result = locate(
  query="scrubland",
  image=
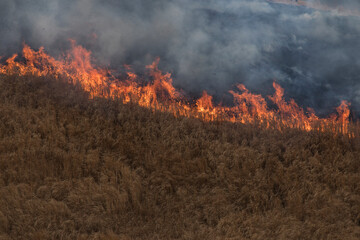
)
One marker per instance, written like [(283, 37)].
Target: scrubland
[(78, 168)]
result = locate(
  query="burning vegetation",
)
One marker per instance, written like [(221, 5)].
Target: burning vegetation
[(159, 94), (78, 168), (92, 153)]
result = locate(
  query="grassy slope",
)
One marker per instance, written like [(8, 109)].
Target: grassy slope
[(76, 168)]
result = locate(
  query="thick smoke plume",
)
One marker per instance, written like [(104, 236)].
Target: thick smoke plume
[(314, 54)]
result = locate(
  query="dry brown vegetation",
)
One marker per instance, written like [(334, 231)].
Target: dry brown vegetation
[(73, 168)]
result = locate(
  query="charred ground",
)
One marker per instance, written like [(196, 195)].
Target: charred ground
[(74, 168)]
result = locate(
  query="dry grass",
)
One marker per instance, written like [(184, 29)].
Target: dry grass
[(73, 168)]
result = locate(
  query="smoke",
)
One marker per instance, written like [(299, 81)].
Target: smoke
[(209, 45)]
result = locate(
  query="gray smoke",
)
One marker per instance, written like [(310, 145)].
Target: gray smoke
[(211, 45)]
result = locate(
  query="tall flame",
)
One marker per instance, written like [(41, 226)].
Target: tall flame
[(160, 94)]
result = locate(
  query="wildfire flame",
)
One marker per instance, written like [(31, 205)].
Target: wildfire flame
[(160, 94)]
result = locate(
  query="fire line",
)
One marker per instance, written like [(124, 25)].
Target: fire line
[(160, 94)]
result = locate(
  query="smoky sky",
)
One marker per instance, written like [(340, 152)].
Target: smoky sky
[(207, 45)]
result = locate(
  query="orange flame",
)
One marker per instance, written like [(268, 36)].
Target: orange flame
[(160, 94), (205, 107)]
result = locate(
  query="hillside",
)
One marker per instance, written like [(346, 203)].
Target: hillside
[(74, 168)]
